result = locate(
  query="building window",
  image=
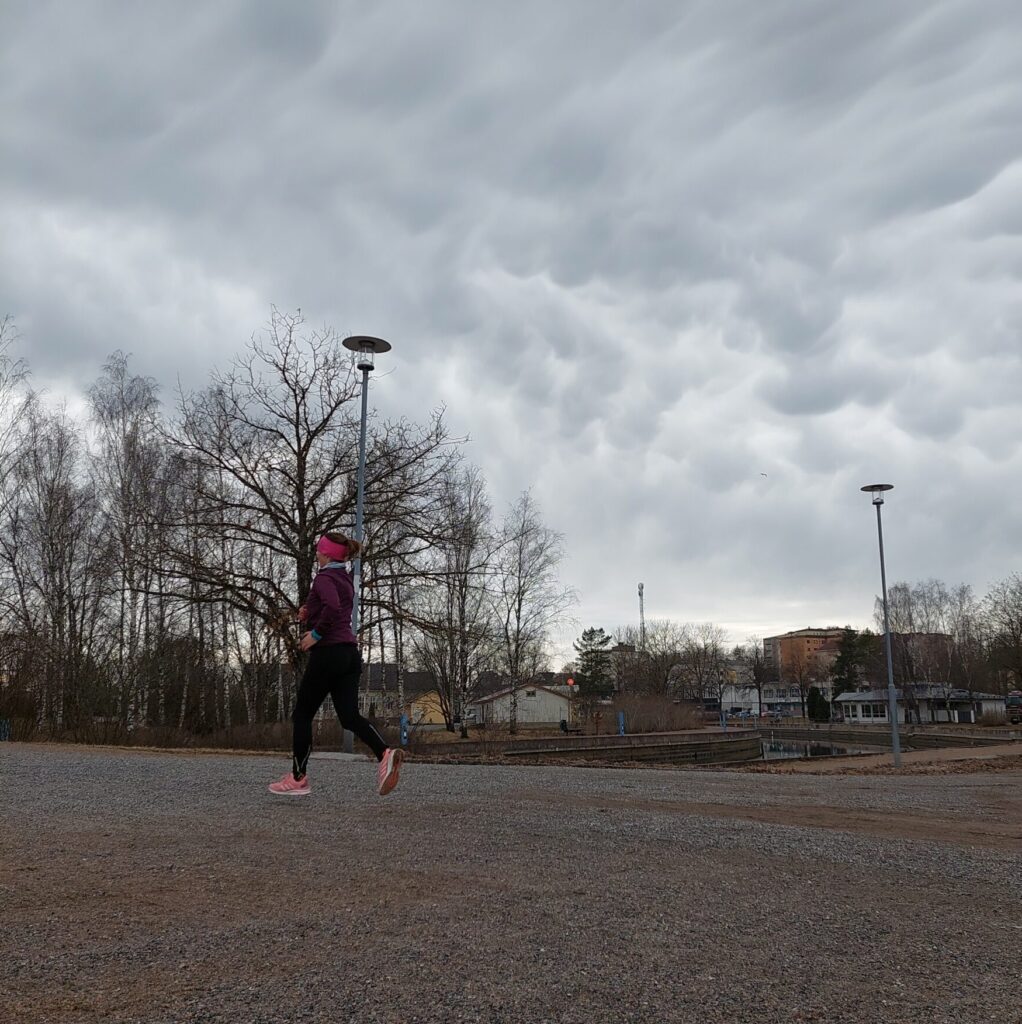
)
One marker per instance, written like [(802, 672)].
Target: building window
[(879, 711), (530, 693), (866, 711)]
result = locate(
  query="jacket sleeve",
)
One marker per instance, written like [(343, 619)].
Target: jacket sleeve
[(327, 614)]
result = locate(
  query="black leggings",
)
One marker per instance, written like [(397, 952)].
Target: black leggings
[(334, 669)]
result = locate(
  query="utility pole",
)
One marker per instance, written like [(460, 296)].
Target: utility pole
[(642, 621)]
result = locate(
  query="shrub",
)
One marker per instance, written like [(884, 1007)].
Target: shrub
[(992, 718), (649, 714)]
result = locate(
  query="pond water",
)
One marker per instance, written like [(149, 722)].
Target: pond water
[(776, 750)]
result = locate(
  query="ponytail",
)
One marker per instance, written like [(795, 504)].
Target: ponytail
[(353, 546)]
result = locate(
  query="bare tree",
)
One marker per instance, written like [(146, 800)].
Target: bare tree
[(127, 471), (910, 613), (704, 661), (750, 664), (657, 669), (271, 448), (455, 635), (527, 598), (1003, 613), (938, 636), (13, 401), (968, 630), (56, 556), (15, 649), (804, 671)]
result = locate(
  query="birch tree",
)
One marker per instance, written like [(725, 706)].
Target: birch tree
[(57, 556), (453, 603), (126, 467), (528, 599)]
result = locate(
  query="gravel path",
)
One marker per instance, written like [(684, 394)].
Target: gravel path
[(168, 888), (939, 758)]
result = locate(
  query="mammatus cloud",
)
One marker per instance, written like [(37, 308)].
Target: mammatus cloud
[(643, 256)]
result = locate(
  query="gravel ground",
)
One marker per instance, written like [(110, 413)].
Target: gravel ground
[(167, 887), (960, 766), (941, 760)]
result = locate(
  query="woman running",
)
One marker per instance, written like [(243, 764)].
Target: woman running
[(334, 667)]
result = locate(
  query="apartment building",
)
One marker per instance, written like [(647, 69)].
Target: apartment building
[(802, 650)]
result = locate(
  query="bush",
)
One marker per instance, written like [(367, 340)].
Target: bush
[(993, 718), (649, 714), (262, 736), (23, 729)]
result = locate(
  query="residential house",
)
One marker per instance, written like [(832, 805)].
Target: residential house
[(425, 708), (380, 693), (537, 705), (423, 703)]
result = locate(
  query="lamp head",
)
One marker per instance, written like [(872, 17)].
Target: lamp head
[(365, 349), (877, 490)]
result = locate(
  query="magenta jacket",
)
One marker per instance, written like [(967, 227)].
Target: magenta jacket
[(329, 606)]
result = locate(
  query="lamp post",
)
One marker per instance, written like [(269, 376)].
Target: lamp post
[(365, 349), (877, 490)]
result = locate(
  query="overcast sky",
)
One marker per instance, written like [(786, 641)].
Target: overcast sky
[(646, 253)]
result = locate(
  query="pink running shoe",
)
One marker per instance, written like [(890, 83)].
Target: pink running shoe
[(290, 786), (389, 767)]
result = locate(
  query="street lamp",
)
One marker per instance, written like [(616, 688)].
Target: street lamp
[(877, 490), (365, 349)]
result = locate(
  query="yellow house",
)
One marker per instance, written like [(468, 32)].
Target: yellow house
[(425, 709)]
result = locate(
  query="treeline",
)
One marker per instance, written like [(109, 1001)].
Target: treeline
[(946, 637), (943, 635), (689, 661), (152, 561)]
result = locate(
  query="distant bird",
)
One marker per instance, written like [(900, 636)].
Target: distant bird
[(762, 474)]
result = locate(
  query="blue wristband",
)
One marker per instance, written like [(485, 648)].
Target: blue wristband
[(315, 636)]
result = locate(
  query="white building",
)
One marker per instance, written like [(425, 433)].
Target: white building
[(781, 697), (739, 698), (537, 705), (933, 702)]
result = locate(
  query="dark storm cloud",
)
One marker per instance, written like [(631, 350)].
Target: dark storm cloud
[(645, 253)]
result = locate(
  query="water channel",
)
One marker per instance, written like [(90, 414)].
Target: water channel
[(777, 750)]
